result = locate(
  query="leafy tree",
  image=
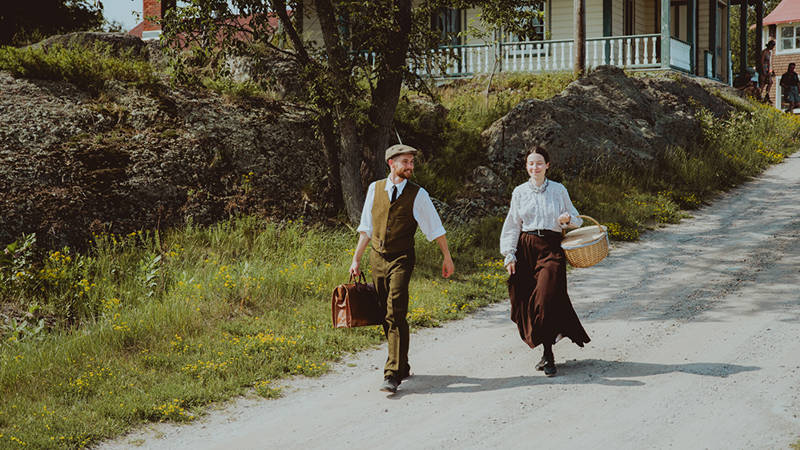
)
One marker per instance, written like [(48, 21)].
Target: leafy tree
[(353, 77), (23, 22)]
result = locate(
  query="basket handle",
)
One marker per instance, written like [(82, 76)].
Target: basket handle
[(564, 230), (590, 218)]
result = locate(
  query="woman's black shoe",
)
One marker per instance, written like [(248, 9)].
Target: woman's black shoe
[(550, 369), (540, 365)]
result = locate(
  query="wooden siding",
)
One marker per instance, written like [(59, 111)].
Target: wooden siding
[(649, 10), (562, 19), (472, 20), (617, 18)]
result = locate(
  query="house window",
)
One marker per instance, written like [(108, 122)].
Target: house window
[(790, 38), (528, 24), (448, 22)]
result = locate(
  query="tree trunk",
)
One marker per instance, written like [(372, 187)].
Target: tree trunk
[(387, 89), (352, 189), (331, 144), (350, 156), (580, 38)]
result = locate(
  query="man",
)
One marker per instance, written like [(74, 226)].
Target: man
[(791, 86), (765, 72), (392, 210)]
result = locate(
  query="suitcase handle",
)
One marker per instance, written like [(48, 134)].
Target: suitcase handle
[(360, 277)]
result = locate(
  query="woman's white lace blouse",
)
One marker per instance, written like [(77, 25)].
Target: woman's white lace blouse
[(531, 210)]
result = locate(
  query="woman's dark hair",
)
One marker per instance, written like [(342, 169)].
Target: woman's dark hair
[(539, 150)]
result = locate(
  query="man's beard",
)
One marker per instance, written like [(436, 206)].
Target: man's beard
[(405, 174)]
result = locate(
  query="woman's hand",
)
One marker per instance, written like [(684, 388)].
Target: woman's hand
[(511, 268), (564, 219)]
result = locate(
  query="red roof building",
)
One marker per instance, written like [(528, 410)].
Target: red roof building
[(783, 25), (787, 11), (152, 9)]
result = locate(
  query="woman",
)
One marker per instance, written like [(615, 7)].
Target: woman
[(537, 268)]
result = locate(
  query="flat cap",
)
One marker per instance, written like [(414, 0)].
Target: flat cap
[(399, 149)]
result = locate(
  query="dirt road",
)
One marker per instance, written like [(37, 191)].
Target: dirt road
[(695, 344)]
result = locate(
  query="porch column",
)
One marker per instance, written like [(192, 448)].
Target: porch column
[(712, 36), (743, 9), (665, 34), (691, 16), (607, 29)]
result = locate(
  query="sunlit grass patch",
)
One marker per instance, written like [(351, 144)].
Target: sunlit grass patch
[(86, 67)]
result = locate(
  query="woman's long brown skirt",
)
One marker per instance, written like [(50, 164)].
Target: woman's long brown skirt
[(540, 305)]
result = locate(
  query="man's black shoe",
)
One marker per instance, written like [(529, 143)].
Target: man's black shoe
[(550, 369), (390, 384)]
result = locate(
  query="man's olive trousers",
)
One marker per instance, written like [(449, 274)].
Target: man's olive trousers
[(392, 273)]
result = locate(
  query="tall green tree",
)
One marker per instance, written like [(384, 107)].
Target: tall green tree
[(353, 77), (23, 22)]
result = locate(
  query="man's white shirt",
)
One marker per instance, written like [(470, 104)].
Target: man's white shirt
[(424, 212)]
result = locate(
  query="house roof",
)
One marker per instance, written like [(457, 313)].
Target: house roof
[(137, 30), (241, 21), (786, 11)]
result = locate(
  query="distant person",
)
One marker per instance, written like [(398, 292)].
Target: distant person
[(392, 210), (765, 71), (791, 86), (531, 244)]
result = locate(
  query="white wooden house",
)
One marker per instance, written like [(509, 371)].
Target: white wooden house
[(624, 33), (691, 36)]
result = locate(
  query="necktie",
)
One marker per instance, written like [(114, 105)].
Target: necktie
[(394, 193)]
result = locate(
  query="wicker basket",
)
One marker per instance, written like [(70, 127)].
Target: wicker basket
[(586, 246)]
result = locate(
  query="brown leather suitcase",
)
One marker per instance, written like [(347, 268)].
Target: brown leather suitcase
[(356, 305)]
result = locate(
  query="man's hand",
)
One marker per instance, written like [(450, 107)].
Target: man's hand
[(354, 269), (447, 264), (448, 267), (363, 240), (511, 268)]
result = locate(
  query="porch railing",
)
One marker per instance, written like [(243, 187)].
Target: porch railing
[(639, 51), (680, 54)]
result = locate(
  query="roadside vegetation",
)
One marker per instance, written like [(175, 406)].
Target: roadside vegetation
[(151, 326)]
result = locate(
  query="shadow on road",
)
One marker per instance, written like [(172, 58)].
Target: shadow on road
[(588, 371)]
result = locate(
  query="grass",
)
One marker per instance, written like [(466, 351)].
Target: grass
[(152, 328), (88, 68)]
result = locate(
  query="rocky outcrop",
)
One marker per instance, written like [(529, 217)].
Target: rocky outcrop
[(603, 121), (72, 164)]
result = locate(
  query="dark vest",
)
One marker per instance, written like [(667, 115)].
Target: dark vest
[(393, 224)]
